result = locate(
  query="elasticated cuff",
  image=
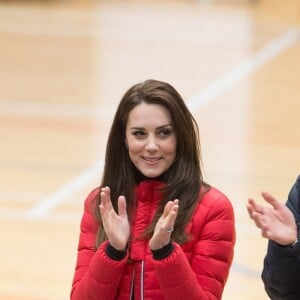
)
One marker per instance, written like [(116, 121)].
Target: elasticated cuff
[(114, 253), (163, 252)]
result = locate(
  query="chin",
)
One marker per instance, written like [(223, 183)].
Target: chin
[(151, 174)]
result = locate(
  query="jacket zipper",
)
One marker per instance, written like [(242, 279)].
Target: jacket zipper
[(142, 280), (132, 284)]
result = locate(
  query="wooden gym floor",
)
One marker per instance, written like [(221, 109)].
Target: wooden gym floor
[(64, 66)]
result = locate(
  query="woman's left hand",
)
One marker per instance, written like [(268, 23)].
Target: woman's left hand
[(164, 226)]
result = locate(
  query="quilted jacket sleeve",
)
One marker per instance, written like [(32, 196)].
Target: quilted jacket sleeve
[(96, 275), (281, 272), (205, 274)]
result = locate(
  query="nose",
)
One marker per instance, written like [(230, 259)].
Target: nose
[(151, 144)]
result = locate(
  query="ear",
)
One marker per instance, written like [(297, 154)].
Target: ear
[(126, 144)]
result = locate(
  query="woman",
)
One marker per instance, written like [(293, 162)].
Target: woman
[(280, 224), (154, 229)]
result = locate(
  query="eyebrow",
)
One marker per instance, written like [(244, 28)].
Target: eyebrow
[(159, 127)]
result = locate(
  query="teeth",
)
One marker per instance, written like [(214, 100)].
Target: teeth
[(151, 159)]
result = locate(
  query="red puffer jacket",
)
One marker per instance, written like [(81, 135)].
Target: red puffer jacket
[(195, 270)]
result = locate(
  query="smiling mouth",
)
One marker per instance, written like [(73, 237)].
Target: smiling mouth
[(151, 159)]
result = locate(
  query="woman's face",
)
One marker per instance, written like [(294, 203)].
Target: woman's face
[(151, 139)]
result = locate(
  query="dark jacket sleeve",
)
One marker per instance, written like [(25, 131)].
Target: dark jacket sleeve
[(281, 271)]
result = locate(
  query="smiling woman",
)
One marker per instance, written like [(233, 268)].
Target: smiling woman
[(64, 66), (150, 139), (150, 228)]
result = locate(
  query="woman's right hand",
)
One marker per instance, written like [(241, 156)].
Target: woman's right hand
[(115, 224)]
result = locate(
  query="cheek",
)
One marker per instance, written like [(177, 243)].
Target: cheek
[(134, 146), (171, 146)]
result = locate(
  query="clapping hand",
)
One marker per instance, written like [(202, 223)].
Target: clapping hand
[(115, 224), (164, 226), (276, 221)]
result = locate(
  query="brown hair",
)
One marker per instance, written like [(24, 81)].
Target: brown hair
[(183, 179)]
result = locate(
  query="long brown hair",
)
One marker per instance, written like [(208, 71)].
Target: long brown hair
[(184, 178)]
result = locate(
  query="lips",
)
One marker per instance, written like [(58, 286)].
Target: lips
[(151, 159)]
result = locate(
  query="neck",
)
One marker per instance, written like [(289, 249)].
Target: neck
[(141, 177)]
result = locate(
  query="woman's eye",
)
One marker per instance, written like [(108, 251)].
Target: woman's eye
[(138, 133), (165, 132)]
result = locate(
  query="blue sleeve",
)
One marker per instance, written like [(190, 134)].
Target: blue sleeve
[(281, 271)]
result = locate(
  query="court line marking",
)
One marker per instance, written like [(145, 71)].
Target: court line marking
[(90, 25), (244, 69), (65, 192), (74, 218), (58, 217), (19, 196), (57, 110), (218, 87)]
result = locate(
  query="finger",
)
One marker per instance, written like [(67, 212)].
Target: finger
[(266, 233), (167, 208), (106, 191), (251, 202), (103, 204), (102, 212), (272, 200), (250, 210), (173, 205), (257, 218), (176, 201), (253, 208), (172, 217), (170, 220), (257, 207), (122, 206), (105, 197)]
